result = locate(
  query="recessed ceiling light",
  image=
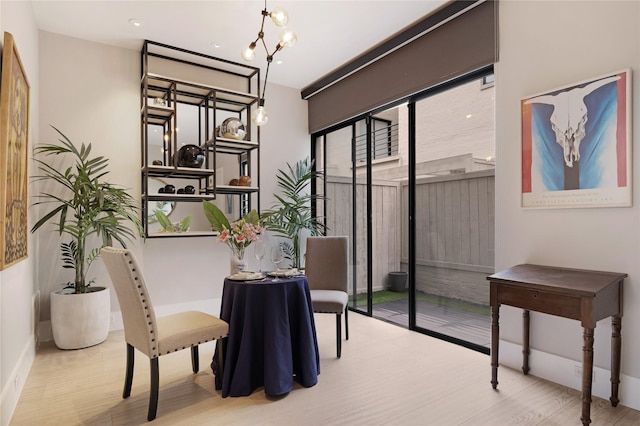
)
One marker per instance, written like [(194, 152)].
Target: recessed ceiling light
[(469, 115), (279, 62), (216, 45), (135, 22)]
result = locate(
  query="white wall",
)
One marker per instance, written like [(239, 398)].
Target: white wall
[(91, 92), (17, 288), (545, 45)]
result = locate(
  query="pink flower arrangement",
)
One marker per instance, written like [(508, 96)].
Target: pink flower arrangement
[(239, 236)]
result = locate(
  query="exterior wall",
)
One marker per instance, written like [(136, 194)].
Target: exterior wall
[(455, 220), (464, 114)]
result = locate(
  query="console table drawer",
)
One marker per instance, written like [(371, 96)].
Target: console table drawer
[(534, 300)]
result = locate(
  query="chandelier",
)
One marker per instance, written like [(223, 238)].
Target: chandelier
[(287, 38)]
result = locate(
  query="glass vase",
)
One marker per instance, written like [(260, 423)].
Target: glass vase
[(237, 265)]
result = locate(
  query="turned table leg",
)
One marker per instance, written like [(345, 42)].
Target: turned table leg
[(526, 320), (587, 375), (495, 336), (616, 343)]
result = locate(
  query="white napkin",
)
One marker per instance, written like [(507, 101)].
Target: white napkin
[(292, 272), (247, 275)]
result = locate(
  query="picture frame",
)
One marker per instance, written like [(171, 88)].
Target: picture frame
[(576, 145), (14, 141)]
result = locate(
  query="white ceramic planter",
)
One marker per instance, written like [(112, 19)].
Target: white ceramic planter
[(80, 320)]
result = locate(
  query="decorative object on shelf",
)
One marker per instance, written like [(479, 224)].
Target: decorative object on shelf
[(189, 189), (167, 189), (234, 182), (168, 226), (180, 190), (244, 181), (292, 213), (190, 156), (287, 38), (232, 128), (237, 235), (160, 102), (157, 185), (157, 162)]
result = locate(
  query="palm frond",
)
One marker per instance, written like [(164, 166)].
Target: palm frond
[(291, 214), (82, 205)]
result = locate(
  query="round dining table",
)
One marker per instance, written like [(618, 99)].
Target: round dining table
[(272, 337)]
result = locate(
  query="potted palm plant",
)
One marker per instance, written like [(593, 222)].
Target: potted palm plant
[(87, 209), (292, 213)]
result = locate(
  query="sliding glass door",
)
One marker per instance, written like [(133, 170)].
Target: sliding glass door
[(412, 186), (454, 211)]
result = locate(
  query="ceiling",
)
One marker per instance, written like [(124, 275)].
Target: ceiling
[(330, 32)]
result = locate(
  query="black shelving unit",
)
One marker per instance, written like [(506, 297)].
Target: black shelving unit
[(210, 89)]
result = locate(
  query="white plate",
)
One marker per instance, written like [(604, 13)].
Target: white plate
[(285, 273), (246, 276)]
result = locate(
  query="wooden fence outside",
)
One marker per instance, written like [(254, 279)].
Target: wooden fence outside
[(455, 231)]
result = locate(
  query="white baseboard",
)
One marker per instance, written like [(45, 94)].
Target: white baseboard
[(13, 388), (563, 371)]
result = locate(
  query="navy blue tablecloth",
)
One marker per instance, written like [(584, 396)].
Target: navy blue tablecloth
[(272, 337)]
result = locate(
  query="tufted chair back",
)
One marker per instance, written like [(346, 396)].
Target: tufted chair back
[(138, 316)]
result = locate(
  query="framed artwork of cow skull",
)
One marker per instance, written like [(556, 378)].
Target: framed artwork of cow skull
[(576, 145)]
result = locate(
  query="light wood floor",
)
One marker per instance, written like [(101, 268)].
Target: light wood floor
[(386, 376)]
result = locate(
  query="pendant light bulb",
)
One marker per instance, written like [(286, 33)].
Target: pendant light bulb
[(259, 116), (279, 16), (287, 37), (249, 53)]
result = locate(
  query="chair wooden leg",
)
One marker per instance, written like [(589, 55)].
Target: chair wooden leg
[(346, 321), (153, 393), (195, 359), (128, 377), (339, 333)]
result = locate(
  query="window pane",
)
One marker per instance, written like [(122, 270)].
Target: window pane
[(455, 148)]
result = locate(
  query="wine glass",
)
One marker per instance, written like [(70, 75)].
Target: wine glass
[(277, 256), (259, 252)]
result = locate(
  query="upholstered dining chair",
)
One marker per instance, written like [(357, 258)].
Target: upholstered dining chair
[(153, 336), (326, 268)]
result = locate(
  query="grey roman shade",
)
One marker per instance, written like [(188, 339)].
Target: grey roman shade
[(455, 40)]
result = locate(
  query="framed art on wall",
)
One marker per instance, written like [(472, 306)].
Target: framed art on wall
[(576, 145), (14, 138)]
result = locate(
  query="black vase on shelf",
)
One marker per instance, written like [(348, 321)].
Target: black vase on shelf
[(190, 156)]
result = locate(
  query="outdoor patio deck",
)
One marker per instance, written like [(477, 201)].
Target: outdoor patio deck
[(474, 327)]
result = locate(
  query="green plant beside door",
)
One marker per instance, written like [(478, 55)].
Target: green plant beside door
[(292, 213), (83, 205)]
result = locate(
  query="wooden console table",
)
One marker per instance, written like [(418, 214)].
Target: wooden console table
[(586, 296)]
